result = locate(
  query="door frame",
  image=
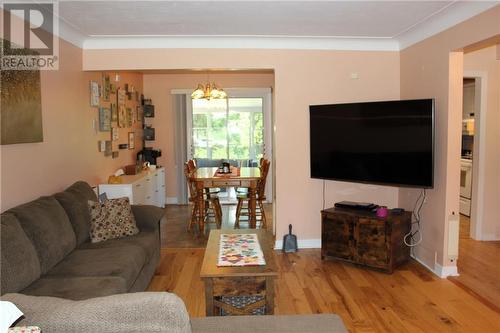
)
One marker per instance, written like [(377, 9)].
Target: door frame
[(266, 95), (479, 152)]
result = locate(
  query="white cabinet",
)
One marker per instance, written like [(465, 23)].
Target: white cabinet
[(146, 188)]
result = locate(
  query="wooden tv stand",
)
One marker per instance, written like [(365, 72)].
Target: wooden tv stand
[(362, 238)]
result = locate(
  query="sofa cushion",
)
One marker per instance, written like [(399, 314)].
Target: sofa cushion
[(47, 226), (121, 261), (312, 323), (147, 240), (77, 288), (20, 265), (74, 201), (111, 219)]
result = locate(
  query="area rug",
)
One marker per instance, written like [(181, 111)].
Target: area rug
[(240, 250)]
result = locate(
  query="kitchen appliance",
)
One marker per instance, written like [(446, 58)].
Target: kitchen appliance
[(149, 155), (465, 186)]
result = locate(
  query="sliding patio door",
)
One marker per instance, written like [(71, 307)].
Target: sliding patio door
[(237, 129)]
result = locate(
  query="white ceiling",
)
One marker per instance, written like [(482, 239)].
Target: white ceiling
[(287, 24)]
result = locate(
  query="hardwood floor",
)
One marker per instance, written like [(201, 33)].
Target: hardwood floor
[(174, 225), (479, 267), (410, 300)]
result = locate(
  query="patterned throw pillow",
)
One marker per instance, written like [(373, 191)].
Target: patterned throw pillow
[(111, 219)]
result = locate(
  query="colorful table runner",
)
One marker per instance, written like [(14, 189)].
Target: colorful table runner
[(240, 250)]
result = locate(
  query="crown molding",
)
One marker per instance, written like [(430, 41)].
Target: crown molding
[(70, 34), (459, 11), (241, 42), (456, 13)]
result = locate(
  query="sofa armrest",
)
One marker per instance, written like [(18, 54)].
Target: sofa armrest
[(147, 216), (134, 312)]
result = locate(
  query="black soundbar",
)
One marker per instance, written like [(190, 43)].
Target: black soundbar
[(355, 205)]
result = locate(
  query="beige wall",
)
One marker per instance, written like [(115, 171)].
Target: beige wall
[(430, 69), (158, 88), (69, 150), (301, 78), (486, 61)]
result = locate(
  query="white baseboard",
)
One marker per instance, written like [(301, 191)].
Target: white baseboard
[(445, 271), (302, 244), (172, 201), (441, 271), (490, 237)]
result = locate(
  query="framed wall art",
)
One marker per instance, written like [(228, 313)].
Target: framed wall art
[(109, 148), (139, 113), (104, 119), (131, 137), (122, 116), (20, 106), (114, 112), (106, 87), (114, 133), (94, 94), (101, 145), (130, 117)]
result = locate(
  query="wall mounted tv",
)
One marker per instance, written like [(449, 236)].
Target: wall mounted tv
[(388, 143)]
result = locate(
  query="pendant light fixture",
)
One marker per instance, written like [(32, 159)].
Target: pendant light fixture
[(208, 91)]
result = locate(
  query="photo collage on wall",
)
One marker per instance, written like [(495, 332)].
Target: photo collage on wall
[(118, 107)]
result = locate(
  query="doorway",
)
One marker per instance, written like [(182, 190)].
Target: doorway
[(479, 243), (236, 129)]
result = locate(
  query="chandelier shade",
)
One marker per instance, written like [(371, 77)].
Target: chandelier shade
[(209, 91)]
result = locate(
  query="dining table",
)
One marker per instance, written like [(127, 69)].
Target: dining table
[(210, 177)]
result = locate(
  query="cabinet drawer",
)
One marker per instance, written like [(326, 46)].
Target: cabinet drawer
[(228, 183)]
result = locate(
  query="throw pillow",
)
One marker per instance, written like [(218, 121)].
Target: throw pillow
[(9, 315), (111, 219)]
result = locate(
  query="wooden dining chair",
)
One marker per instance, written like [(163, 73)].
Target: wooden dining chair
[(212, 204), (242, 208)]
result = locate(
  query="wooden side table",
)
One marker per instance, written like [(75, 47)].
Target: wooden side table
[(238, 290)]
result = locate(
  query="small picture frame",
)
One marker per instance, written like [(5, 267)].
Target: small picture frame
[(139, 113), (106, 87), (131, 143), (115, 154), (122, 116), (121, 97), (130, 117), (114, 112), (114, 133), (102, 145), (94, 94), (104, 119), (109, 149)]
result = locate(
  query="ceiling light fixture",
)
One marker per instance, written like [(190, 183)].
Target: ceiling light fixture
[(208, 91)]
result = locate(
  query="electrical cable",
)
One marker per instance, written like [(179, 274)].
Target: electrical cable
[(323, 194), (415, 224)]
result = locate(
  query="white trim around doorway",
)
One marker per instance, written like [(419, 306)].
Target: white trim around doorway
[(478, 157)]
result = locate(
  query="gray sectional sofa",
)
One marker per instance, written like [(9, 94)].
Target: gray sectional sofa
[(46, 250), (64, 283)]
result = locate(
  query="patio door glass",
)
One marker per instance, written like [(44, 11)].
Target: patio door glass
[(231, 129)]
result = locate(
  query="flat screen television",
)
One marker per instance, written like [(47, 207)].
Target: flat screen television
[(388, 142)]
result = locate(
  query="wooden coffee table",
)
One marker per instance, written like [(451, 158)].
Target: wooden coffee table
[(238, 290)]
